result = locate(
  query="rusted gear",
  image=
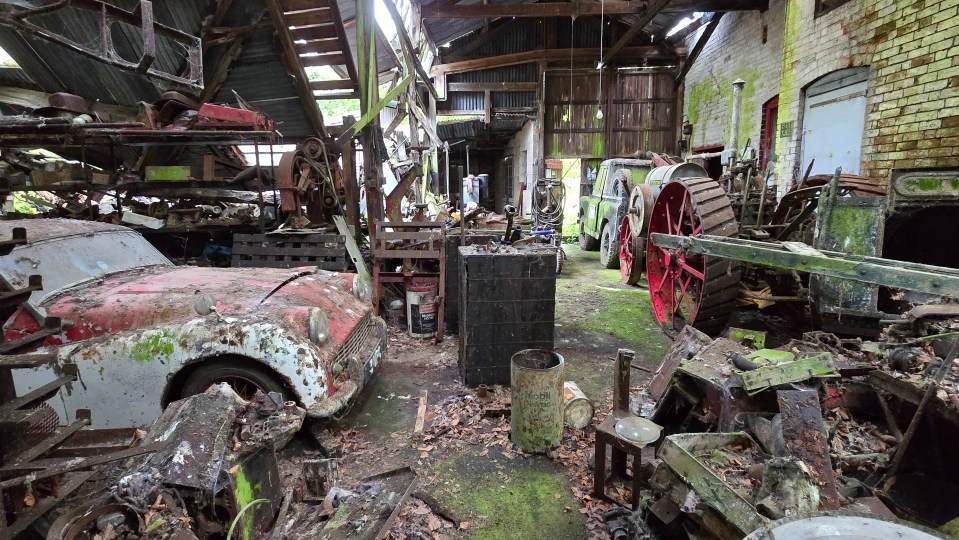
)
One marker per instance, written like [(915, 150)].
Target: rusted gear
[(692, 288)]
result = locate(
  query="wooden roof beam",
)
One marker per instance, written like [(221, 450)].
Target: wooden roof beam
[(575, 8), (512, 59), (651, 11), (698, 47)]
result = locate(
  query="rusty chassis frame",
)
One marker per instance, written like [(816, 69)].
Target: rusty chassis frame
[(141, 17)]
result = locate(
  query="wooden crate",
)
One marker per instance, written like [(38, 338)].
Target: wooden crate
[(323, 250)]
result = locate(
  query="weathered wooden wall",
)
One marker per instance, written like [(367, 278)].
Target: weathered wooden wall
[(639, 114)]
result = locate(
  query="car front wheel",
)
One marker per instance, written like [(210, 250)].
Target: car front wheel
[(608, 248), (586, 242), (244, 380)]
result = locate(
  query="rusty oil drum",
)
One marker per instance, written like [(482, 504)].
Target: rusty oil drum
[(536, 414)]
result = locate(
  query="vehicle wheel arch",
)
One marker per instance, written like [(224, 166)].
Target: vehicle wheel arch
[(176, 380)]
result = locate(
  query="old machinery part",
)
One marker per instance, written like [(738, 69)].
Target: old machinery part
[(548, 202), (698, 288), (141, 18), (632, 233), (842, 524)]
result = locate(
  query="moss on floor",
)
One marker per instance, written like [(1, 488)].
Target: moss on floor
[(595, 299), (523, 497)]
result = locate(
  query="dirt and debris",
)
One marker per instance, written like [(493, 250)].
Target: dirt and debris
[(741, 467)]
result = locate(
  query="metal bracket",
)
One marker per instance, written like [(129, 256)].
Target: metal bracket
[(141, 17)]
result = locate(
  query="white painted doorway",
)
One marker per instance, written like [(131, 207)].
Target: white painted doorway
[(834, 119)]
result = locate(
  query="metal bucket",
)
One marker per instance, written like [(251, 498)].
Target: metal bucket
[(536, 414), (421, 308)]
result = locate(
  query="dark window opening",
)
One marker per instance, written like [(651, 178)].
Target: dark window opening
[(713, 165), (825, 6), (767, 148), (907, 238)]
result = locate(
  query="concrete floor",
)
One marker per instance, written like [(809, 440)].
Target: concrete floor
[(500, 493)]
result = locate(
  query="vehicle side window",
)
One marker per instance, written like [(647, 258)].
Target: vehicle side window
[(600, 180)]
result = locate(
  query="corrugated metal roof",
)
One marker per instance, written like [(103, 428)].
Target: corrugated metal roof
[(518, 73), (55, 68), (258, 74)]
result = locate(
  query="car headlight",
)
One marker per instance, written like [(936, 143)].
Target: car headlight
[(361, 287), (319, 326)]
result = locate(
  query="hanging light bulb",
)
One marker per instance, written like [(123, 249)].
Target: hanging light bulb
[(599, 113)]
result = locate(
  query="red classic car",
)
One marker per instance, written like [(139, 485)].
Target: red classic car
[(143, 332)]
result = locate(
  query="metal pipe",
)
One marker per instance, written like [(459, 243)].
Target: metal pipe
[(738, 85), (467, 160), (446, 151)]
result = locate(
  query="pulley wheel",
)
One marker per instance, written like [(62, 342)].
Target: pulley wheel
[(691, 288)]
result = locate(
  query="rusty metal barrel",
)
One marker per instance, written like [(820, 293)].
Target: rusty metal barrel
[(536, 414)]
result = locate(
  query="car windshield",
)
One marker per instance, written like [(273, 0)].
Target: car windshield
[(72, 259)]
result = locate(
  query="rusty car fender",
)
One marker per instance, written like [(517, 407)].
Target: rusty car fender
[(130, 372)]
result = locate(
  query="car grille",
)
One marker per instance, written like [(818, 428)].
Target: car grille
[(356, 341)]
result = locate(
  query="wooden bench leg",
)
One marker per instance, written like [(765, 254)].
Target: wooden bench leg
[(599, 467), (637, 480)]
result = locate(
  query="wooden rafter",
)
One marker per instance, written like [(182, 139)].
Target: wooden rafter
[(408, 48), (474, 64), (373, 111), (653, 8), (301, 82), (441, 10), (698, 47)]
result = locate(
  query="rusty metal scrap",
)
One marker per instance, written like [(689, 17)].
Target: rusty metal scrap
[(141, 17)]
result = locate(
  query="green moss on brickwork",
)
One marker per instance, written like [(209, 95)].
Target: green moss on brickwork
[(748, 116), (504, 499), (788, 91), (703, 100)]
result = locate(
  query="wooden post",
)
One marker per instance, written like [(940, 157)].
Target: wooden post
[(350, 187), (369, 96), (621, 381)]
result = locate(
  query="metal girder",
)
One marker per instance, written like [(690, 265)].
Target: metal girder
[(141, 17), (801, 257)]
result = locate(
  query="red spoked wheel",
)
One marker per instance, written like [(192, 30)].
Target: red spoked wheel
[(632, 254), (690, 288)]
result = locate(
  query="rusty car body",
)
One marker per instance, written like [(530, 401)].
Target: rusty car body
[(143, 332)]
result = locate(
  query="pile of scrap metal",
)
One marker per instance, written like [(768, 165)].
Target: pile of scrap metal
[(213, 473), (759, 436), (213, 467)]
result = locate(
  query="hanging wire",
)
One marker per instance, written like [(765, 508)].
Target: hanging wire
[(602, 23)]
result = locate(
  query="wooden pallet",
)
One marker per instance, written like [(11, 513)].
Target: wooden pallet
[(323, 250)]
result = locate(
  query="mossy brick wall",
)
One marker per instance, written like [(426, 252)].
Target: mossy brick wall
[(912, 101), (910, 47), (735, 51)]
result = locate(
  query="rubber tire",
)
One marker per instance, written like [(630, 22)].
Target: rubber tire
[(560, 255), (209, 371), (586, 242), (608, 253)]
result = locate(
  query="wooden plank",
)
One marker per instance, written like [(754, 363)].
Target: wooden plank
[(23, 361), (343, 84), (52, 467), (47, 444), (420, 415), (301, 81), (698, 47), (688, 343), (493, 87), (273, 238), (655, 6), (313, 32), (42, 393), (335, 59), (319, 46), (806, 439), (338, 95), (273, 251), (300, 5), (511, 59), (308, 18), (25, 519), (408, 47), (539, 9)]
